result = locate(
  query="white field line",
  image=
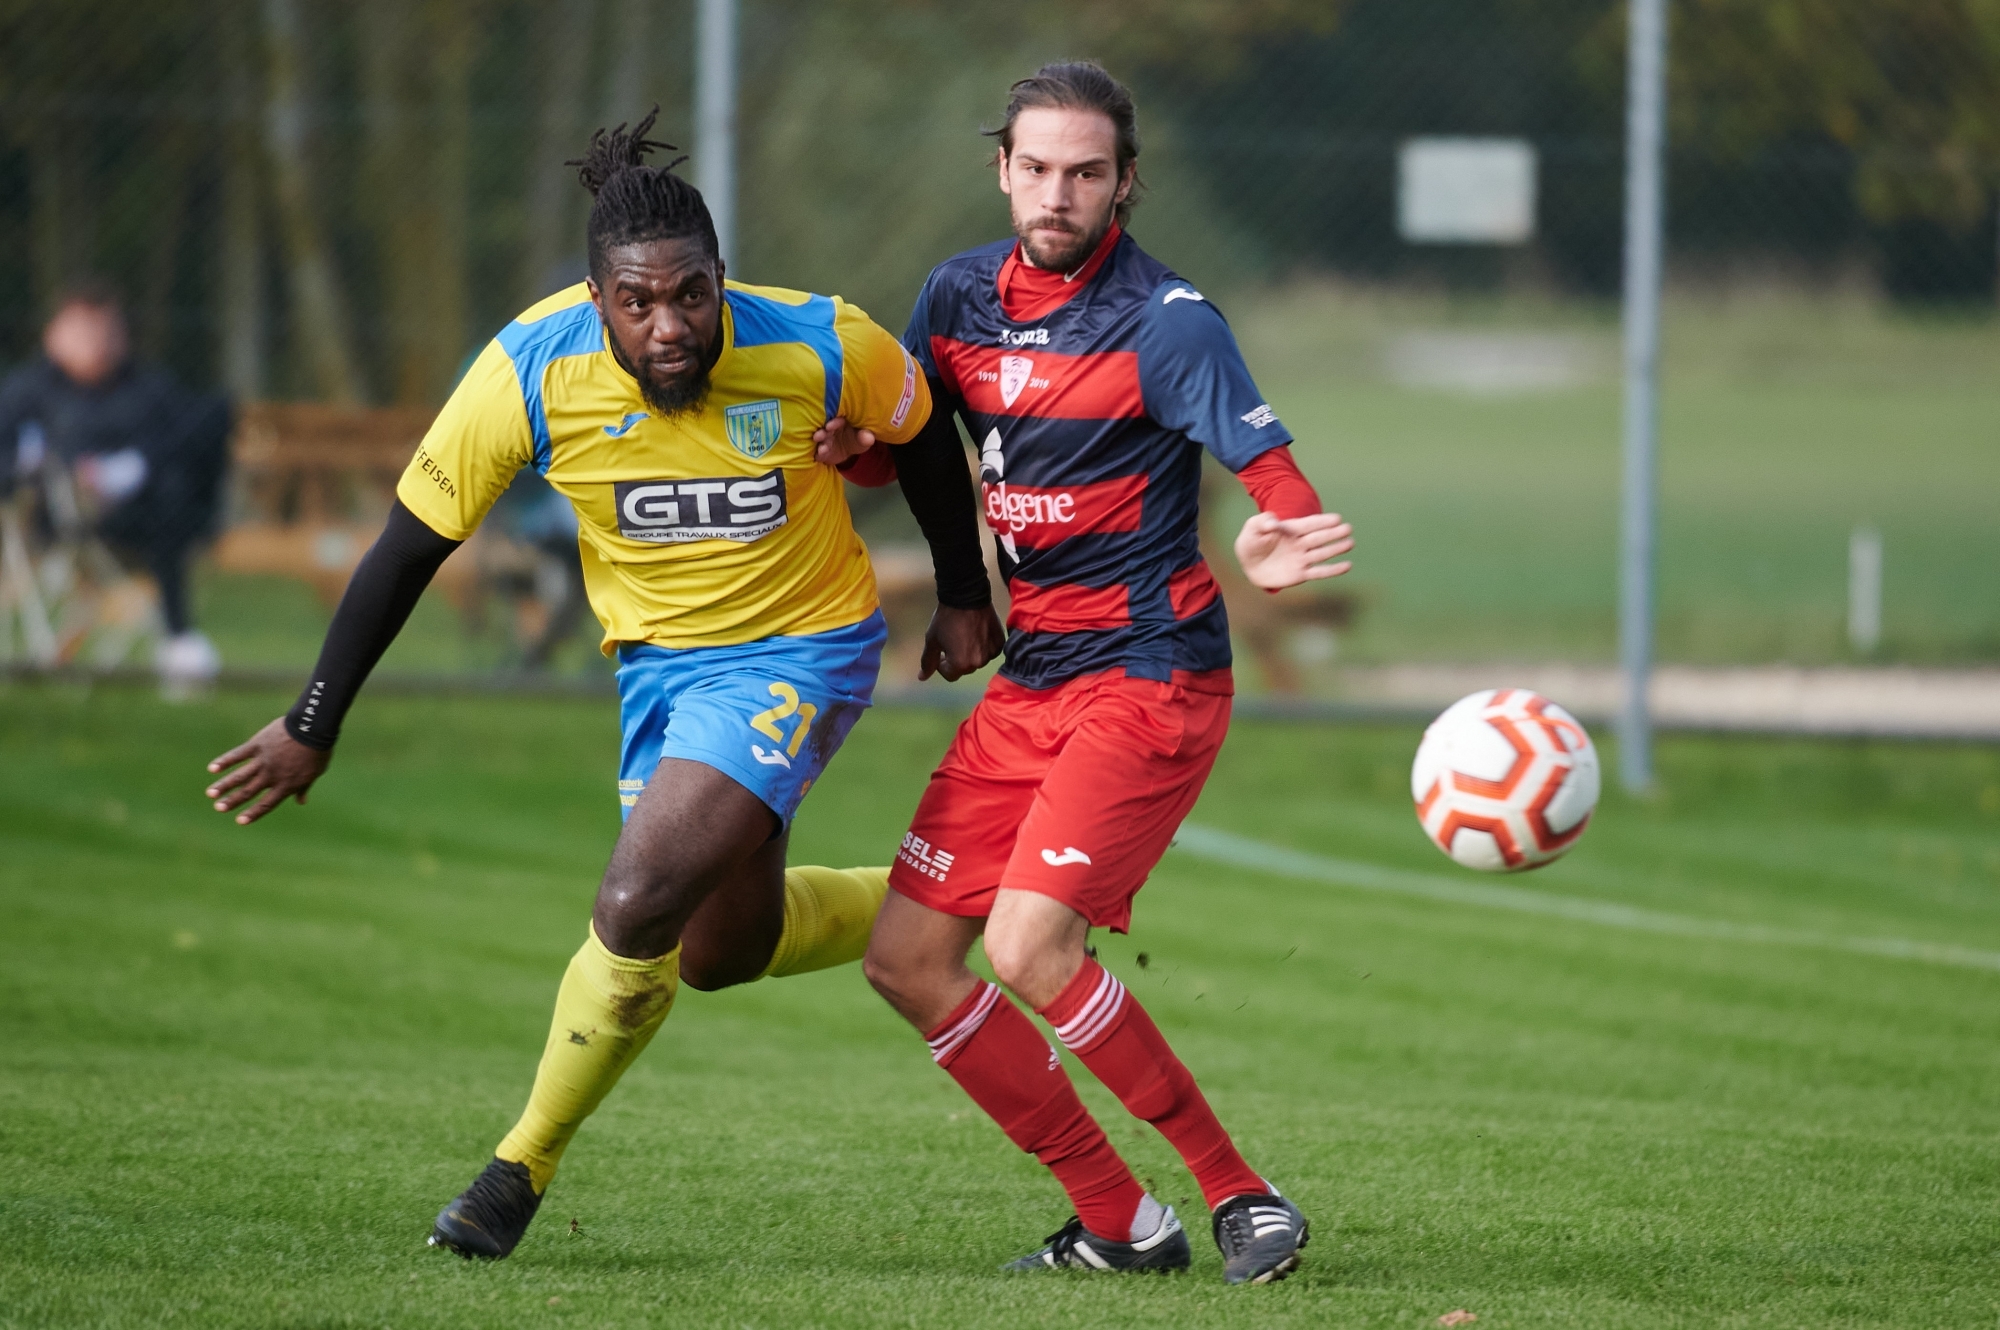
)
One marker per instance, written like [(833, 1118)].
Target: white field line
[(1242, 852)]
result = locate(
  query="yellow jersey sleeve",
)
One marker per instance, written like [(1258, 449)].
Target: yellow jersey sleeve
[(473, 449), (881, 387)]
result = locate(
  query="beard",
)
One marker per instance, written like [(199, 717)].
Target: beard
[(671, 395), (675, 396), (1066, 255)]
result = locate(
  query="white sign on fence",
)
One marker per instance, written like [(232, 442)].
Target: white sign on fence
[(1457, 191)]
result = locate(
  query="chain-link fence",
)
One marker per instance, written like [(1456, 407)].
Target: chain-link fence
[(321, 210)]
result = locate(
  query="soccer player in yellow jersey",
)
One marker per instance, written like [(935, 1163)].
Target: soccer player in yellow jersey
[(696, 427)]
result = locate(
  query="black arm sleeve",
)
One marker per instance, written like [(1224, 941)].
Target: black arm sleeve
[(935, 484), (378, 600)]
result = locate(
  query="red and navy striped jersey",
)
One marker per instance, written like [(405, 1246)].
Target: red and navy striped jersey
[(1090, 422)]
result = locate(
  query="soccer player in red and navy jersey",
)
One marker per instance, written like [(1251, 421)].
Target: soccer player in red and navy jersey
[(1092, 378)]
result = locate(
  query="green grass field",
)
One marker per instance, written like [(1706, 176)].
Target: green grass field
[(240, 1069), (1487, 526)]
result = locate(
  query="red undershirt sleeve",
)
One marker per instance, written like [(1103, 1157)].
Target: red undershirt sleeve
[(1279, 487), (1276, 483), (872, 469)]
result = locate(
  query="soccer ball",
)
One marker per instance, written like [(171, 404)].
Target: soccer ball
[(1504, 780)]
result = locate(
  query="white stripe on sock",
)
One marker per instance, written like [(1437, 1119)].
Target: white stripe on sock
[(1070, 1026), (952, 1039), (1097, 1014)]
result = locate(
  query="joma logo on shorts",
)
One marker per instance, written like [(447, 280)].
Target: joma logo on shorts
[(725, 508)]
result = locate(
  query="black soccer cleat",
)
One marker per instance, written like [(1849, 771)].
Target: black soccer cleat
[(489, 1217), (1077, 1246), (1260, 1237)]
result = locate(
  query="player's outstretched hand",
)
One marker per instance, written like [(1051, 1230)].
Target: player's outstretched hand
[(961, 641), (1277, 552), (270, 767), (836, 441)]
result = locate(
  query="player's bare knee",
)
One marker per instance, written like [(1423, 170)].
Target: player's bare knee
[(920, 989), (641, 895), (879, 973), (896, 977), (626, 909), (1031, 970), (1010, 956)]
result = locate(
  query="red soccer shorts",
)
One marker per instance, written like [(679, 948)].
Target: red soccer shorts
[(1073, 792)]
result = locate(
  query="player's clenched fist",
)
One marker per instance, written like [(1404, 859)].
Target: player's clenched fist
[(269, 768), (1280, 552), (961, 641), (837, 441)]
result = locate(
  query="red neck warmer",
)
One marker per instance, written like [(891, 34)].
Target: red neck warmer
[(1028, 293)]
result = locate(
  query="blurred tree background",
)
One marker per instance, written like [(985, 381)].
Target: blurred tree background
[(305, 200), (339, 201)]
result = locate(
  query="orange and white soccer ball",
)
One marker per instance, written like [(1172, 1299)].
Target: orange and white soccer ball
[(1504, 780)]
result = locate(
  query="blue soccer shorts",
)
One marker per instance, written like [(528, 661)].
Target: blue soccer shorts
[(769, 714)]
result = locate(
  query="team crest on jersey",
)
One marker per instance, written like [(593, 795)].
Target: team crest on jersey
[(754, 427), (1014, 372)]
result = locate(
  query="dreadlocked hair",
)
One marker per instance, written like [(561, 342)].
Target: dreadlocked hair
[(633, 203)]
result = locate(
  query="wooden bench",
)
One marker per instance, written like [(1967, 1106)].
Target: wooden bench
[(310, 487)]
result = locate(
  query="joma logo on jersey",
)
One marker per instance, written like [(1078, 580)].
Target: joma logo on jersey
[(725, 508), (1025, 337), (754, 427)]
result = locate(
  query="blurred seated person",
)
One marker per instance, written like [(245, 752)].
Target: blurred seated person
[(119, 451)]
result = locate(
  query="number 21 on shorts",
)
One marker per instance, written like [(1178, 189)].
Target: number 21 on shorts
[(767, 724)]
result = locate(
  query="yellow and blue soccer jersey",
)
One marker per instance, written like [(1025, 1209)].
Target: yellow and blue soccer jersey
[(713, 528)]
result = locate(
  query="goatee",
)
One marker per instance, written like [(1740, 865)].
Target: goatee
[(1068, 255), (676, 396), (682, 396)]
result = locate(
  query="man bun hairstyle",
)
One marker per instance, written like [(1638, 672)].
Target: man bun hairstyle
[(633, 203), (1078, 85)]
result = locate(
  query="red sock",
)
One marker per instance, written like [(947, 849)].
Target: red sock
[(1107, 1028), (1000, 1059)]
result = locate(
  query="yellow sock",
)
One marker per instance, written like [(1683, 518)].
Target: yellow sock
[(606, 1011), (828, 912)]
